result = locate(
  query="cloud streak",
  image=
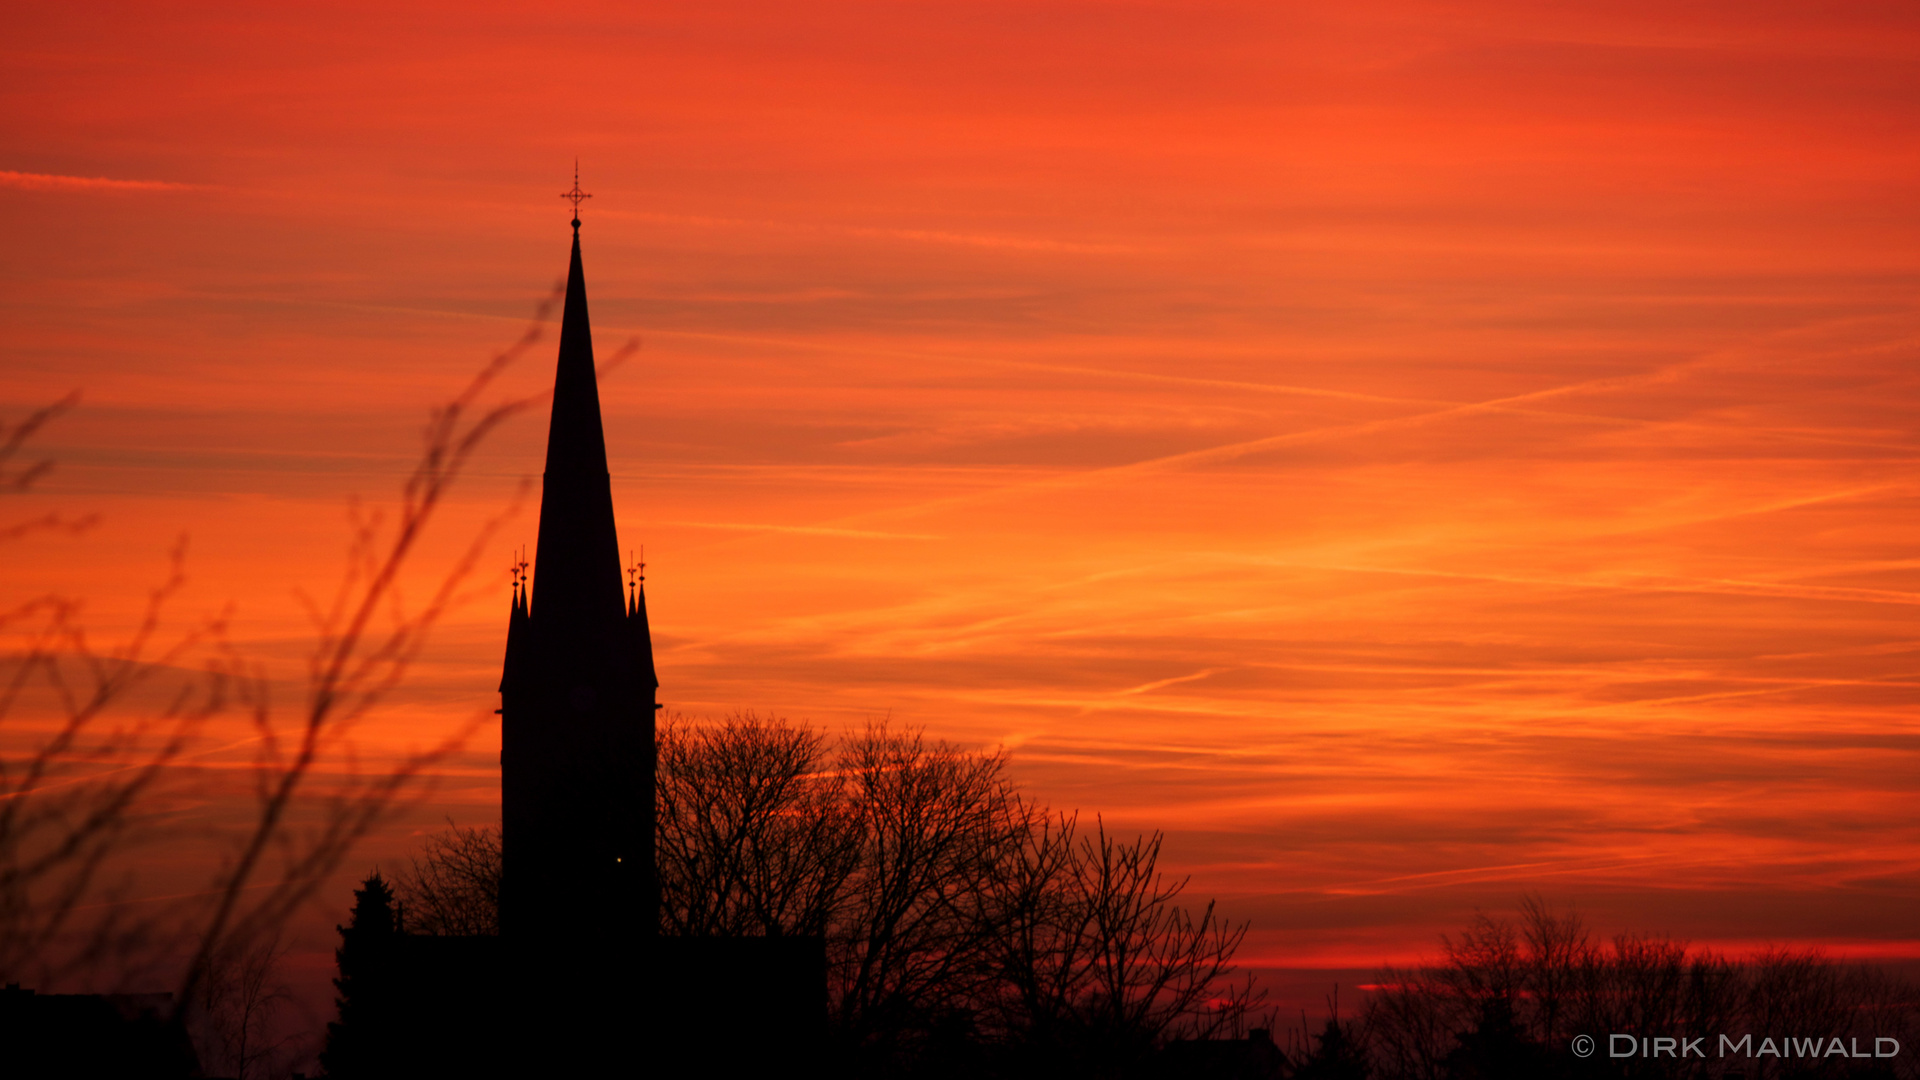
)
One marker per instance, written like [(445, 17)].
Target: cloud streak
[(26, 181)]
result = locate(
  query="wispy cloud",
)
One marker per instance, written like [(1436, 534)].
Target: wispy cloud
[(54, 182), (803, 530)]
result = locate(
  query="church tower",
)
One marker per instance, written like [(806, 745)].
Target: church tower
[(579, 898)]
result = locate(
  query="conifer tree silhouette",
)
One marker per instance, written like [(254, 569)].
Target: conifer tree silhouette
[(367, 1039), (1336, 1054)]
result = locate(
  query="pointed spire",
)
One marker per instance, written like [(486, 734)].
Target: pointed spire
[(576, 570)]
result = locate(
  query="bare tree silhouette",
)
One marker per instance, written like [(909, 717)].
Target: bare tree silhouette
[(954, 912), (1509, 995), (75, 799), (69, 793), (913, 942), (452, 888), (1096, 954), (240, 1001), (354, 664), (756, 833)]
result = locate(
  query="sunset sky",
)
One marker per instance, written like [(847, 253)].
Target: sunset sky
[(1415, 454)]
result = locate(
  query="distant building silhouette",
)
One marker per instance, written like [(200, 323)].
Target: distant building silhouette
[(415, 1004), (84, 1036), (1252, 1058), (579, 981), (578, 891)]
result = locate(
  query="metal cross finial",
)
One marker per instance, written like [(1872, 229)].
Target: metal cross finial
[(576, 195)]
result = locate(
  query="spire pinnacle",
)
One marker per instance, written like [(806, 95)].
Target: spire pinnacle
[(518, 569), (636, 573), (576, 195)]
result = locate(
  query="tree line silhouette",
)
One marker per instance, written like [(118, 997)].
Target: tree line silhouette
[(964, 925), (972, 932), (1509, 995)]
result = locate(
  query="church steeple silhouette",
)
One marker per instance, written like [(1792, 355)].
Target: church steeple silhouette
[(579, 897)]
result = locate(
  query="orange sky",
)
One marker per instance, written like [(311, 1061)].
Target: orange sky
[(1414, 453)]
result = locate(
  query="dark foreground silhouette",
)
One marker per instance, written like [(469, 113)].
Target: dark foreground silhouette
[(87, 1036), (1505, 1002), (886, 907)]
